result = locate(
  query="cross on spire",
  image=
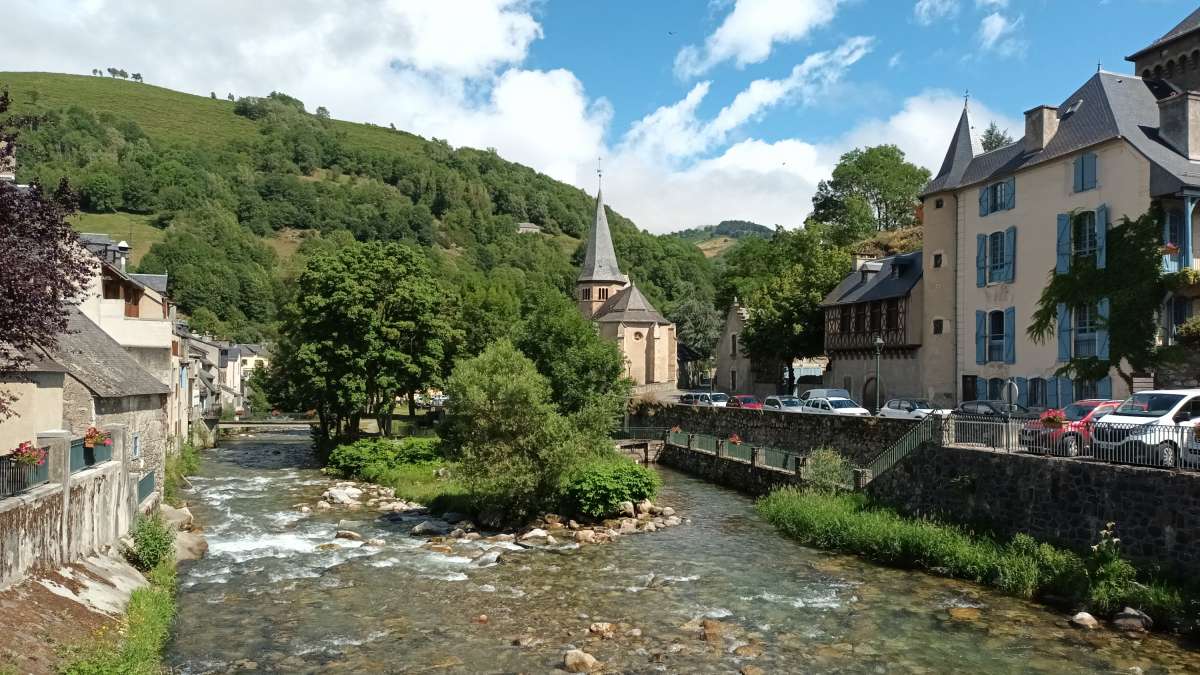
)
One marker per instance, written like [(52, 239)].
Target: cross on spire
[(599, 173), (966, 98)]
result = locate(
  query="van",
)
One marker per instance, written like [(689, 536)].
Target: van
[(1156, 428)]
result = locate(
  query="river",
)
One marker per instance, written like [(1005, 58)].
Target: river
[(268, 599)]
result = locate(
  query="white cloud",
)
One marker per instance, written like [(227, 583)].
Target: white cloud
[(927, 12), (998, 33), (896, 60), (991, 4), (751, 30)]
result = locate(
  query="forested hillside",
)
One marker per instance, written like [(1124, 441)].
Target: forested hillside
[(230, 197)]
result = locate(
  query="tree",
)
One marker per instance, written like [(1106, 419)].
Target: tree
[(322, 112), (367, 327), (697, 325), (229, 96), (995, 138), (136, 77), (1131, 283), (122, 74), (212, 95), (112, 72), (875, 182), (48, 270)]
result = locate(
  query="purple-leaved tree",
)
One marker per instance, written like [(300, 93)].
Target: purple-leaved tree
[(45, 267)]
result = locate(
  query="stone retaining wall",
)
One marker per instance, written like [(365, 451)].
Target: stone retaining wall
[(859, 439), (1059, 500), (727, 471)]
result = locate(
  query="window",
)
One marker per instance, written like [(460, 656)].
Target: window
[(733, 379), (876, 316), (1037, 393), (997, 197), (938, 326), (733, 344), (602, 293), (112, 289), (937, 260), (893, 314), (996, 257), (860, 318), (844, 319), (1180, 311), (135, 446), (1085, 172), (1085, 330), (585, 294), (1085, 389), (939, 203), (996, 389), (995, 336), (1083, 235)]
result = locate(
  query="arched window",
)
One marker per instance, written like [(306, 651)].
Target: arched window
[(1195, 61), (1183, 64), (1171, 68), (995, 344), (1158, 72), (1146, 74)]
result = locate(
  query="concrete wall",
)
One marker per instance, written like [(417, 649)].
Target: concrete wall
[(1042, 193), (1062, 501), (732, 473), (939, 356), (71, 517), (859, 439), (38, 407)]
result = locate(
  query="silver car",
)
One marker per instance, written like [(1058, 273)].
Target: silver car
[(789, 404)]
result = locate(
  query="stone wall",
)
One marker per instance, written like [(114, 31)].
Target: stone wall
[(727, 471), (1062, 501), (1182, 375), (859, 439), (144, 416)]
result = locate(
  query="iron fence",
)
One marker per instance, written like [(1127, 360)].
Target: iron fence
[(83, 457), (145, 487), (929, 430), (17, 477), (635, 433), (742, 451)]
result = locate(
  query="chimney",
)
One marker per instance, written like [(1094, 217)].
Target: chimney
[(1041, 123), (122, 254), (1179, 123), (861, 259)]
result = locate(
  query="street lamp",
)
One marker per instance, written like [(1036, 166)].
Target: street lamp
[(878, 353)]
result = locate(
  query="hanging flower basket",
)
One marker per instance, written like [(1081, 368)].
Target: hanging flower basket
[(1053, 419), (1169, 248), (735, 439), (95, 437), (676, 429), (28, 454)]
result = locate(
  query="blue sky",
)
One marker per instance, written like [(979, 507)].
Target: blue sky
[(702, 111)]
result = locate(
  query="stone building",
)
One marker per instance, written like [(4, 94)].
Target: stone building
[(622, 314), (997, 223), (881, 299), (737, 372)]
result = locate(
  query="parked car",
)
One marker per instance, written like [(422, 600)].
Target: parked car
[(1151, 427), (1072, 438), (747, 401), (986, 423), (705, 398), (783, 404), (834, 405), (910, 409), (999, 408), (824, 393)]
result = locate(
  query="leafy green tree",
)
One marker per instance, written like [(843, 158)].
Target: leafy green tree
[(204, 321), (101, 191), (878, 177), (995, 138), (1131, 281), (697, 325)]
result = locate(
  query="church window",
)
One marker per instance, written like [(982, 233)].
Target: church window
[(585, 294), (939, 203), (638, 335), (733, 344), (602, 293)]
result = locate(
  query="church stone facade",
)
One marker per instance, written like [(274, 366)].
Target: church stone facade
[(622, 314)]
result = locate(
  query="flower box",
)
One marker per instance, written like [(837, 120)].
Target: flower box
[(95, 437)]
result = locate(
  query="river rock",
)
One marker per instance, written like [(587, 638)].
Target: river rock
[(376, 542), (628, 526), (1132, 620), (430, 527), (323, 505), (500, 538), (348, 534), (535, 533), (649, 527), (667, 512), (439, 548), (328, 546), (525, 641), (585, 536), (472, 536), (751, 650), (305, 508), (1085, 620), (602, 628), (672, 521), (965, 613), (190, 546), (388, 493), (645, 506), (488, 558), (342, 495), (579, 661), (458, 533), (752, 670), (178, 518), (573, 525), (712, 631), (552, 518), (626, 509)]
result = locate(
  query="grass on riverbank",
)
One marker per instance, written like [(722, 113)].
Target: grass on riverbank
[(137, 647), (414, 467), (178, 468), (1102, 583)]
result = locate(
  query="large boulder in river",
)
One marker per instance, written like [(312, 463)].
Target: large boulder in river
[(342, 494), (178, 518), (1132, 620), (579, 661), (431, 527), (1084, 620), (190, 546)]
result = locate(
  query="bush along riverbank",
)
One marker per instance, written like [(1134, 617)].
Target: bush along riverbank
[(136, 646), (1101, 583)]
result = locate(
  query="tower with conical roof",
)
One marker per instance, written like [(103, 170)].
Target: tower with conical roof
[(600, 277)]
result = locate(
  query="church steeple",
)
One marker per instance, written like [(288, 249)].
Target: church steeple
[(958, 156), (600, 261)]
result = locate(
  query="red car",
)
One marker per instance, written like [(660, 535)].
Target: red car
[(747, 401), (1075, 434)]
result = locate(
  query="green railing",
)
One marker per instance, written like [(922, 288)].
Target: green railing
[(737, 451), (145, 487), (743, 451), (679, 438), (777, 459), (704, 442), (85, 458), (927, 431), (634, 433), (16, 477)]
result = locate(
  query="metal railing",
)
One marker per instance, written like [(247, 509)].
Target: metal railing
[(929, 430), (743, 451), (640, 433), (17, 477), (145, 487), (85, 458)]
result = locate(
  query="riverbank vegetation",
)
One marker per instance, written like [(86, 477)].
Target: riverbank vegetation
[(1102, 582), (178, 468)]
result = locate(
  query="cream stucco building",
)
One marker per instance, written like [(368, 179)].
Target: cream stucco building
[(622, 314), (997, 224)]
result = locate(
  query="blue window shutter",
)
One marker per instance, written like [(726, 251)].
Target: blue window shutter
[(1089, 171), (1104, 387), (1066, 395), (1078, 166), (1064, 332), (1102, 310), (980, 336), (1022, 390), (981, 388), (980, 260), (1010, 335), (1051, 392), (983, 201), (1063, 247), (1010, 254), (1101, 236), (1010, 193)]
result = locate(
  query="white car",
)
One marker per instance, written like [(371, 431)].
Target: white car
[(1158, 428), (834, 405), (789, 404), (910, 409), (705, 399)]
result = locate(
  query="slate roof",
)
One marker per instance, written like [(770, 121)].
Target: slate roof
[(600, 260), (156, 282), (629, 306), (958, 156), (100, 363), (1106, 107), (1189, 24), (883, 284)]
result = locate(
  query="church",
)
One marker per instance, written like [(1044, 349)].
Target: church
[(622, 314)]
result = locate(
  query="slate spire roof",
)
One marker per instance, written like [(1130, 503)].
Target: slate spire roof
[(958, 156), (1189, 24), (629, 306), (600, 261)]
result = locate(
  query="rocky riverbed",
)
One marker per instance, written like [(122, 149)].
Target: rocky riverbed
[(281, 592)]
